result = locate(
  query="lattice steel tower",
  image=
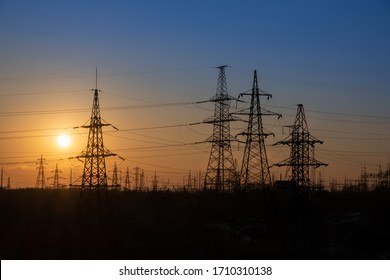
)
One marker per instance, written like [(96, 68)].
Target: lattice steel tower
[(127, 179), (94, 155), (302, 144), (254, 169), (56, 178), (221, 172), (116, 182), (41, 180)]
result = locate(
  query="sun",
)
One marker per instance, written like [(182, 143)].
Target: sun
[(63, 140)]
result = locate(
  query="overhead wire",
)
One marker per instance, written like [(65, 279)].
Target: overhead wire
[(371, 118), (82, 110)]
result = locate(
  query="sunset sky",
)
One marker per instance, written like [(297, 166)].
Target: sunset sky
[(156, 59)]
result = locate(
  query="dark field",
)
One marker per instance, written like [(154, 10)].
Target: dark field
[(282, 224)]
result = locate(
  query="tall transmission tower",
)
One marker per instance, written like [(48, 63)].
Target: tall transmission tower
[(142, 181), (221, 172), (1, 177), (115, 179), (94, 155), (301, 159), (127, 179), (137, 173), (154, 182), (255, 169), (56, 178), (41, 180)]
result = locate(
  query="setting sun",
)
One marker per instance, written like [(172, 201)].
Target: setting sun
[(63, 141)]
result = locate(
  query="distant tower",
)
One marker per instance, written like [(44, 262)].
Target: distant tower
[(154, 182), (189, 180), (115, 179), (301, 158), (94, 155), (41, 180), (221, 172), (56, 178), (137, 178), (254, 169), (127, 179), (142, 181), (1, 177)]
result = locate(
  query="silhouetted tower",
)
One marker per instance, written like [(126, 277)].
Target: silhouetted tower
[(255, 171), (115, 179), (137, 178), (190, 180), (56, 178), (142, 181), (127, 179), (301, 158), (154, 182), (221, 172), (41, 180), (1, 177), (94, 174)]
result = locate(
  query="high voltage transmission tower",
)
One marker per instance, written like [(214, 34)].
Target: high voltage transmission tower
[(154, 182), (115, 180), (302, 148), (94, 155), (93, 219), (41, 180), (139, 179), (221, 172), (127, 179), (56, 178), (254, 169), (1, 177)]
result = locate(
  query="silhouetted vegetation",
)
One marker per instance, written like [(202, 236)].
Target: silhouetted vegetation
[(278, 224)]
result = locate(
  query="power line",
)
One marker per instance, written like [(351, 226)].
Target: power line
[(161, 127), (336, 113), (42, 92), (322, 84), (354, 152), (168, 70), (82, 110), (33, 130)]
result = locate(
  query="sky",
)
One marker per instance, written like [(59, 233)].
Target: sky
[(155, 59)]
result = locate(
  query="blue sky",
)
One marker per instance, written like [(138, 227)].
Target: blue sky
[(331, 56)]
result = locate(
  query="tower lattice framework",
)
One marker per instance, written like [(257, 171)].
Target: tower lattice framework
[(302, 147), (255, 171), (221, 172), (56, 178), (41, 179), (116, 182), (94, 155), (127, 179)]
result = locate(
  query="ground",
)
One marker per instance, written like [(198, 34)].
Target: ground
[(272, 224)]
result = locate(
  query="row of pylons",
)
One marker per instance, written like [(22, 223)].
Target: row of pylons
[(221, 173), (41, 178)]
